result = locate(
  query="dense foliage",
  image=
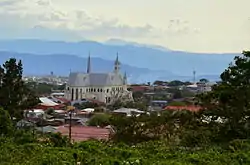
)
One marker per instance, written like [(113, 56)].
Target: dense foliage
[(93, 152), (230, 100), (15, 96)]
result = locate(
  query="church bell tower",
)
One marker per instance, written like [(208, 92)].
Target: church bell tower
[(89, 65), (117, 65)]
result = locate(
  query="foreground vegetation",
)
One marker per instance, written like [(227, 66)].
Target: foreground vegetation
[(217, 135), (94, 152)]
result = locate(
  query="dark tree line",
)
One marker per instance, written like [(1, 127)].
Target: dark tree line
[(44, 88), (173, 83)]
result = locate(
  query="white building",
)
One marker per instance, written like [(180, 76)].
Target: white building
[(201, 87), (104, 87)]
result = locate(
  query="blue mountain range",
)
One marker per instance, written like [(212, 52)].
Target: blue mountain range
[(141, 62)]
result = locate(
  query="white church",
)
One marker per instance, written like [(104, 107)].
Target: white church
[(104, 87)]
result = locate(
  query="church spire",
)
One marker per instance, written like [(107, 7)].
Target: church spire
[(125, 79), (117, 64), (89, 65)]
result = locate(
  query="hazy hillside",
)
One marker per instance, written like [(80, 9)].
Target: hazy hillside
[(179, 63), (61, 64)]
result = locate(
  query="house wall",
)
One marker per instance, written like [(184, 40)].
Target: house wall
[(104, 93)]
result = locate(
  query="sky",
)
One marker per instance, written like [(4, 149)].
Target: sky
[(218, 26)]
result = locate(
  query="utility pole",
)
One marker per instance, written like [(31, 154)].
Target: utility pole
[(42, 123), (70, 124)]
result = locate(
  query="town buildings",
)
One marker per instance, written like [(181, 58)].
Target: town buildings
[(104, 87)]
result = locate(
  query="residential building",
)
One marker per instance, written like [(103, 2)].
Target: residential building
[(200, 87)]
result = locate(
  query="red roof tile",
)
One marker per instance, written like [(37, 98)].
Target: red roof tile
[(82, 133), (139, 88), (189, 108)]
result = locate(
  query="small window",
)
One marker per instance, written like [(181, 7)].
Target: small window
[(94, 90), (68, 88), (107, 90), (100, 90)]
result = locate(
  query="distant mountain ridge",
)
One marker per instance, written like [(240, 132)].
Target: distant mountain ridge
[(119, 42), (159, 62), (62, 64)]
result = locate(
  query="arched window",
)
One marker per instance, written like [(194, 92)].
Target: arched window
[(77, 94), (81, 93), (68, 88), (107, 90), (72, 94), (94, 90), (100, 90)]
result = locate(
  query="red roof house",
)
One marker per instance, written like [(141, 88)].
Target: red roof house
[(189, 108), (82, 133)]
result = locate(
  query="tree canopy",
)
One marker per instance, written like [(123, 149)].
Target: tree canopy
[(230, 99), (14, 94)]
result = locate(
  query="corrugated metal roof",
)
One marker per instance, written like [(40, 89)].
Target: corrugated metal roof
[(47, 102), (128, 110)]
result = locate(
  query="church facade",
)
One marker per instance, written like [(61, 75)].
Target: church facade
[(104, 87)]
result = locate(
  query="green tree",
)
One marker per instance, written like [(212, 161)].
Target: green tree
[(101, 120), (229, 100), (6, 125), (140, 105), (138, 95), (15, 96), (203, 80), (175, 83), (177, 94), (50, 111), (159, 83)]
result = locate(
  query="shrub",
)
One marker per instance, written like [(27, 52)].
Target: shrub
[(101, 120)]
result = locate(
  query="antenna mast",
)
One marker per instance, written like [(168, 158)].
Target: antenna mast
[(194, 76)]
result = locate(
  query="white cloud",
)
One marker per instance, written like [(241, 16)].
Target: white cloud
[(194, 25), (43, 14)]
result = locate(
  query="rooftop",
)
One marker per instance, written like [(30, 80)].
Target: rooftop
[(82, 133), (189, 108)]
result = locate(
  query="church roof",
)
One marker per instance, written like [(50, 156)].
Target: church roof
[(95, 79)]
